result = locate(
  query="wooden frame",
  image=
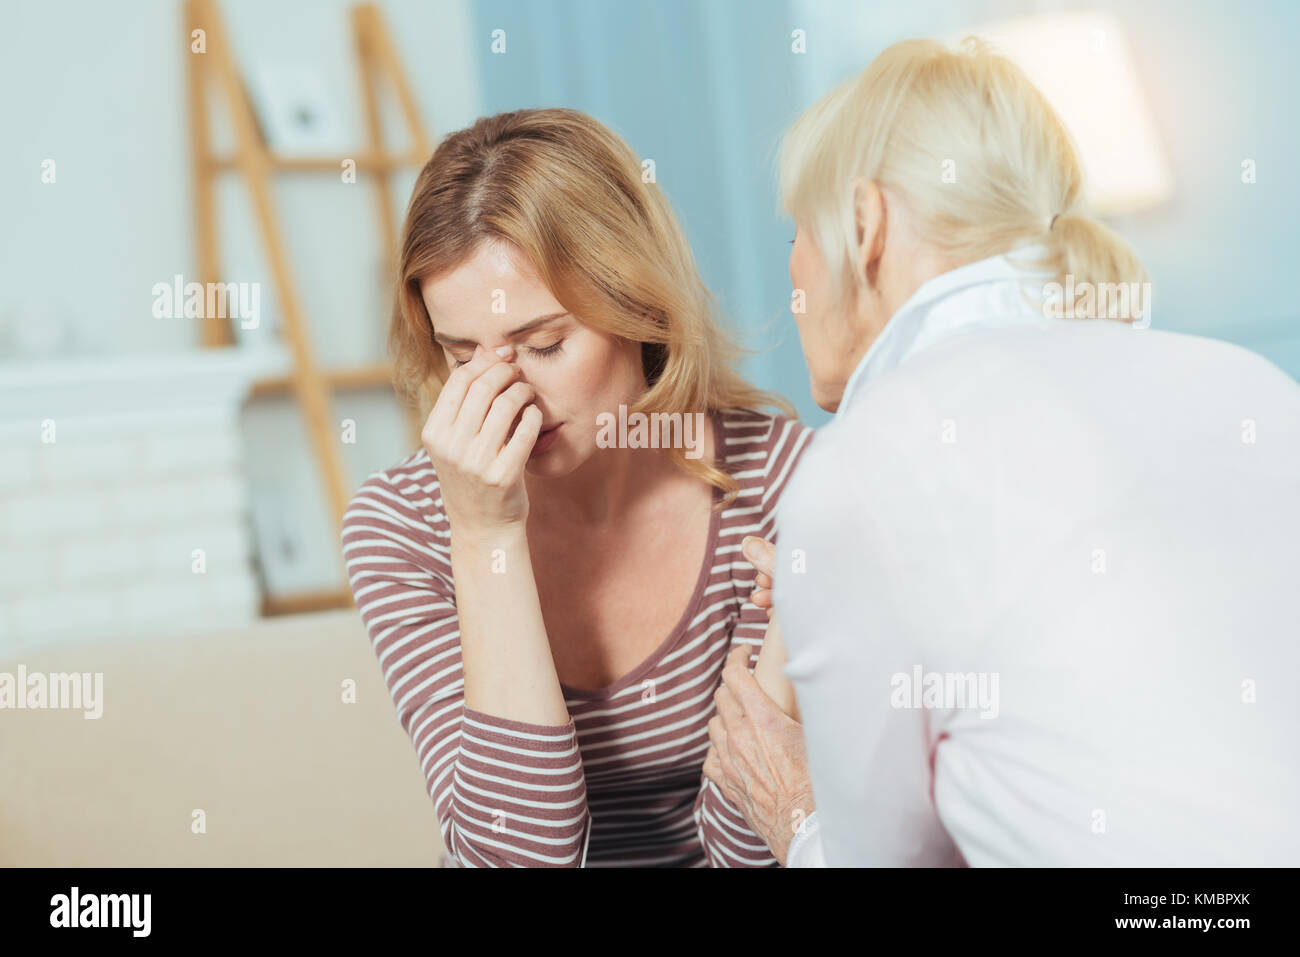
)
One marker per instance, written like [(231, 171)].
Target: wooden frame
[(252, 159)]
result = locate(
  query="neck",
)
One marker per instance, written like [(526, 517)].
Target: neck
[(598, 492), (920, 264), (899, 280), (607, 487)]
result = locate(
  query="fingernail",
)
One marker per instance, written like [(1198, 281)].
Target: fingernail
[(503, 351), (477, 350)]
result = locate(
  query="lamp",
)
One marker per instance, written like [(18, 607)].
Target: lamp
[(1082, 64)]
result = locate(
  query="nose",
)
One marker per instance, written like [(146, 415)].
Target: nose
[(508, 353)]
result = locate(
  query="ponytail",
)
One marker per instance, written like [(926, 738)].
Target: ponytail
[(976, 152), (1082, 250)]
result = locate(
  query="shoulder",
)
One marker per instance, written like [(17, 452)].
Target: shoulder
[(1098, 367), (400, 508), (760, 451), (754, 439)]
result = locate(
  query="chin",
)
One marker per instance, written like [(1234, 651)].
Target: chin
[(555, 462), (827, 396)]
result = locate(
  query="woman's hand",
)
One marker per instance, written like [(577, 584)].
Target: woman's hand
[(757, 757), (480, 465)]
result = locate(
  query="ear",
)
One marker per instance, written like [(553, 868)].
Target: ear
[(869, 218)]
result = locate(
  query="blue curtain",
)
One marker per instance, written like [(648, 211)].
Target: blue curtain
[(705, 90)]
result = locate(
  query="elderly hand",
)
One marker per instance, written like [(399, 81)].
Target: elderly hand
[(757, 757), (762, 555)]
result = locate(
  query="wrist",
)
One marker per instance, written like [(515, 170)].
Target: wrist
[(486, 538), (801, 851)]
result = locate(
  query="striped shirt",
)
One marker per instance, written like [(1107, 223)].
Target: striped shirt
[(621, 783)]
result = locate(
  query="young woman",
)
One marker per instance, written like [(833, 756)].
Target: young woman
[(551, 604)]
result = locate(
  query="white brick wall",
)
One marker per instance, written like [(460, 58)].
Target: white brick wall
[(99, 528)]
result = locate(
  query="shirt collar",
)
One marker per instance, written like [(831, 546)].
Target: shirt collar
[(1000, 290)]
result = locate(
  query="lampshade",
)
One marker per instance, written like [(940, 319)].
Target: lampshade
[(1083, 65)]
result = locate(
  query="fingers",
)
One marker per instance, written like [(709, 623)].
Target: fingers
[(762, 593), (737, 664), (744, 690), (728, 709), (515, 455), (738, 657), (453, 391), (713, 767), (482, 392), (760, 553), (719, 765), (503, 411), (717, 741), (726, 704)]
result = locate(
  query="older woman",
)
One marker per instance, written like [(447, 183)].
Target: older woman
[(1037, 578)]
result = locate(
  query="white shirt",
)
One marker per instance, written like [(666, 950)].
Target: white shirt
[(1102, 524)]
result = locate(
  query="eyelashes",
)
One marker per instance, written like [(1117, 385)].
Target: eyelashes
[(549, 352)]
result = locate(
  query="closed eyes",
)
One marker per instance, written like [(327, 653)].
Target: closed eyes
[(545, 353)]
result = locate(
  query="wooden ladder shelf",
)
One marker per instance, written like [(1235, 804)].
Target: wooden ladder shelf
[(310, 384)]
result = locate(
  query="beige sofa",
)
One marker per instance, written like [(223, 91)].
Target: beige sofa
[(248, 726)]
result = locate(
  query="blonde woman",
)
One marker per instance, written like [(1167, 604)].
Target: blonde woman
[(1050, 553), (550, 586)]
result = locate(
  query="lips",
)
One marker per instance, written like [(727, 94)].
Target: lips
[(545, 439), (542, 431)]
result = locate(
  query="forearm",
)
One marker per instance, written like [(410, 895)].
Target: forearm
[(505, 653), (494, 813), (769, 674)]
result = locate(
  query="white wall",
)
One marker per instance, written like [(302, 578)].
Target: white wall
[(99, 87)]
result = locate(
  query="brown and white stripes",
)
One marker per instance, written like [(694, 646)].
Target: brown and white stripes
[(621, 783)]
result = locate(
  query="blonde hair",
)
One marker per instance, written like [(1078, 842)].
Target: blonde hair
[(920, 110), (569, 195)]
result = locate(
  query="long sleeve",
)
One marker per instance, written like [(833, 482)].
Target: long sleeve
[(847, 626), (727, 839), (806, 848), (506, 793)]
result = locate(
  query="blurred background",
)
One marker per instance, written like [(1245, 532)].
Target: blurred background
[(165, 475)]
